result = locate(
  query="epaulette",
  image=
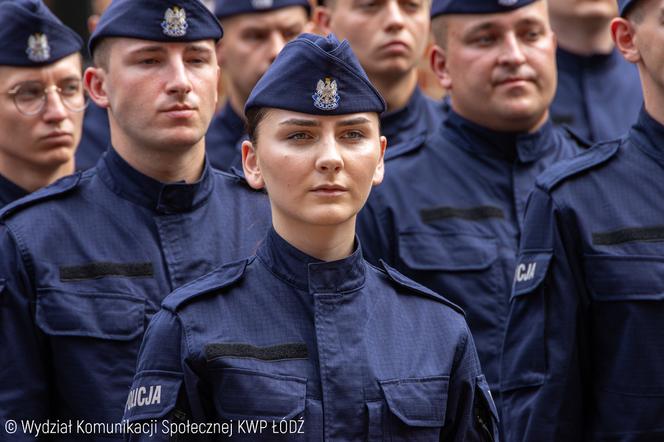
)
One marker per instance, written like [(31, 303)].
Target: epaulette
[(222, 277), (417, 288), (579, 140), (405, 147), (594, 156), (60, 187)]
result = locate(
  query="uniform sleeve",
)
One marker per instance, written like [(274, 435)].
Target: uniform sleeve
[(542, 364), (158, 398), (471, 413), (375, 228), (24, 358)]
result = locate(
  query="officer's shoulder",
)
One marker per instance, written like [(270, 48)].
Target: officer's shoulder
[(222, 277), (405, 147), (411, 287), (234, 176), (56, 190), (597, 155)]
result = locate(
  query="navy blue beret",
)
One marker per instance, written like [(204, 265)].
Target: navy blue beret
[(624, 5), (316, 75), (32, 35), (440, 7), (157, 20), (226, 8)]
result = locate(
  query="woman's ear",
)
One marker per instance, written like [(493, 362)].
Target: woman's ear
[(252, 170)]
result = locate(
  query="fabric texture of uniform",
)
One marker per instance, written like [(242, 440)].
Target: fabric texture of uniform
[(227, 8), (157, 20), (449, 214), (9, 191), (95, 139), (598, 96), (441, 7), (319, 76), (624, 5), (337, 350), (223, 140), (410, 126), (32, 35), (585, 337), (86, 263)]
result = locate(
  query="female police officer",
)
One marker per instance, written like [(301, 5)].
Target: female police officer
[(306, 339)]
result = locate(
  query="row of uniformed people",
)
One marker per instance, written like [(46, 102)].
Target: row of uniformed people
[(477, 139)]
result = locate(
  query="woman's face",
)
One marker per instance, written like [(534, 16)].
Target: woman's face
[(318, 170)]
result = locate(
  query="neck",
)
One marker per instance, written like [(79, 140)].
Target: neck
[(396, 91), (166, 166), (327, 243), (30, 177), (652, 102), (583, 36)]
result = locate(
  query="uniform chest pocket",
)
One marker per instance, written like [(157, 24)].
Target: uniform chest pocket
[(262, 398), (114, 317), (417, 408), (627, 294)]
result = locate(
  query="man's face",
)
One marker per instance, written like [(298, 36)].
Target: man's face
[(584, 9), (49, 138), (648, 51), (251, 43), (161, 95), (389, 37), (501, 67)]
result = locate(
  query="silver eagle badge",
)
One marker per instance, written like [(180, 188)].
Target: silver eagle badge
[(175, 22), (326, 97), (38, 48)]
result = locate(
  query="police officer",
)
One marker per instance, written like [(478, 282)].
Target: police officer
[(307, 332), (96, 133), (254, 33), (390, 38), (86, 262), (599, 93), (449, 213), (584, 340), (42, 103)]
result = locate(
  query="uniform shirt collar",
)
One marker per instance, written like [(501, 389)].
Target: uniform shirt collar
[(570, 62), (648, 135), (405, 119), (9, 191), (524, 147), (308, 273), (164, 198)]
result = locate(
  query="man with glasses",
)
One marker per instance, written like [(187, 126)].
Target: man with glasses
[(86, 263), (41, 98)]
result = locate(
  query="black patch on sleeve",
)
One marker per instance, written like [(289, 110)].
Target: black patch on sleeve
[(628, 235), (95, 270), (470, 213), (273, 353)]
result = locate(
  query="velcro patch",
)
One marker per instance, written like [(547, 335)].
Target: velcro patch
[(96, 270), (272, 353), (655, 233), (469, 213)]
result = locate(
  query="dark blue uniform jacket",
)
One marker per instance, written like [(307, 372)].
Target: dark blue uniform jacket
[(448, 215), (598, 96), (86, 263), (9, 191), (584, 342), (223, 141), (353, 352), (95, 139)]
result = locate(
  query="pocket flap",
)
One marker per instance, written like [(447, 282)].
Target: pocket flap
[(452, 252), (153, 395), (418, 402), (530, 271), (95, 315), (243, 394), (625, 278)]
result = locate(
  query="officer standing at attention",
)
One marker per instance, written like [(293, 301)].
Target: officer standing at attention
[(254, 34), (599, 93), (42, 102), (307, 331), (585, 336), (449, 212), (389, 38), (86, 262)]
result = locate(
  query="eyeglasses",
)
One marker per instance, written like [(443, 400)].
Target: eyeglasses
[(30, 96)]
